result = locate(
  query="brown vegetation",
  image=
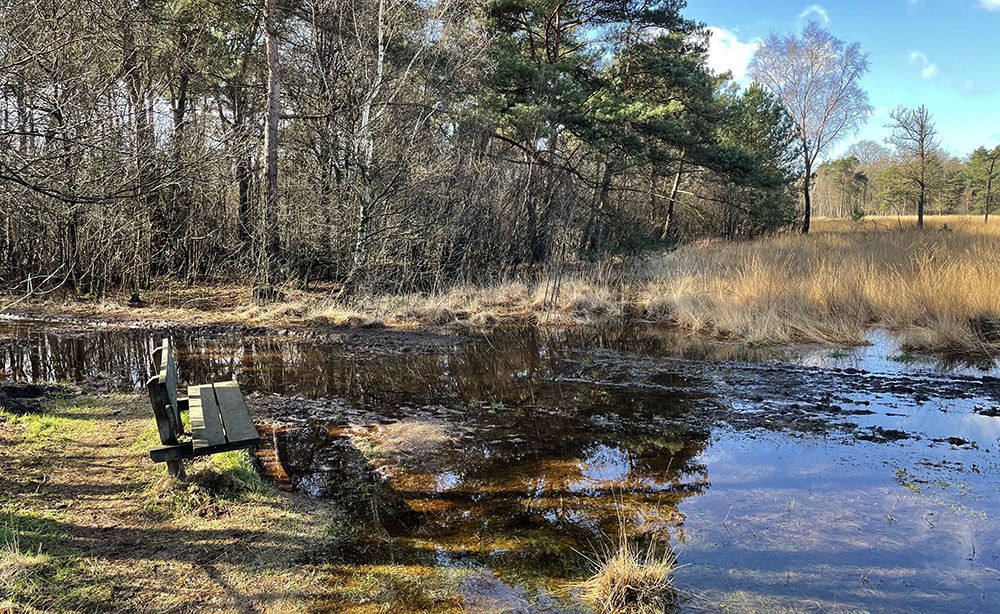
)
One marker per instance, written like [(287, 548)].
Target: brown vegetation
[(935, 288), (631, 578)]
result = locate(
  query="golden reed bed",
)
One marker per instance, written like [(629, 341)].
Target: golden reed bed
[(938, 288)]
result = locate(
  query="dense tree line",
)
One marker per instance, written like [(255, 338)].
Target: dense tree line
[(379, 144), (908, 175)]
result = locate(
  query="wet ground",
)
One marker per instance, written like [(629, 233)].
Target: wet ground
[(795, 478)]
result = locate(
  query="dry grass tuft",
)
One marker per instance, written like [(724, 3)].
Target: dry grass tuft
[(326, 313), (631, 578), (18, 567)]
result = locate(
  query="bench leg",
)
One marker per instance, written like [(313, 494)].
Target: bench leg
[(176, 469)]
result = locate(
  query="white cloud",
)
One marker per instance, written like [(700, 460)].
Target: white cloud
[(928, 69), (822, 15), (990, 5), (971, 87), (726, 52)]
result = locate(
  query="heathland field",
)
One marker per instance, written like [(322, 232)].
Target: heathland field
[(935, 288)]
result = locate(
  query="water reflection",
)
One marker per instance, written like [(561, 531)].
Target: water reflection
[(785, 474)]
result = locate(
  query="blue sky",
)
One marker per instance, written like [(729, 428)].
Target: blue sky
[(941, 53)]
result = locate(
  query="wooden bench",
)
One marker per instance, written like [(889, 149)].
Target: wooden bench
[(220, 420)]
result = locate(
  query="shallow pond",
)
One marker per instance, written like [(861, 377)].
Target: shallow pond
[(795, 478)]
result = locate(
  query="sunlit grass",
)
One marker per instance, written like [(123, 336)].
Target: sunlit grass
[(19, 566), (935, 287), (628, 577)]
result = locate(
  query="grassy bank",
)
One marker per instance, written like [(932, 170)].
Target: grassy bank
[(935, 287), (89, 524)]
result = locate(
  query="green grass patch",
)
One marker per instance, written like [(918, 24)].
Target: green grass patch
[(36, 581), (910, 358), (32, 426), (212, 484), (230, 475)]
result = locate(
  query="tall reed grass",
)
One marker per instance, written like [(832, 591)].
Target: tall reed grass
[(938, 288)]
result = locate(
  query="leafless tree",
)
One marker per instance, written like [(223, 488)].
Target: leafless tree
[(869, 153), (915, 138), (817, 77), (131, 149), (272, 247)]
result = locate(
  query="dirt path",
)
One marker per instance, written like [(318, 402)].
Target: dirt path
[(115, 534)]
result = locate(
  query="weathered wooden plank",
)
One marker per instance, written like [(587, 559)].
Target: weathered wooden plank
[(172, 453), (187, 450), (206, 424), (169, 374), (155, 356), (166, 395), (235, 415), (162, 411)]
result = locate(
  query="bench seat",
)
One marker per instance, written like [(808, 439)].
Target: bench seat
[(220, 420), (219, 417)]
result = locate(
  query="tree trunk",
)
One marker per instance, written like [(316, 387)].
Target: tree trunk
[(989, 189), (179, 217), (244, 174), (269, 262), (923, 189), (365, 151), (143, 258), (668, 221), (806, 188), (596, 241)]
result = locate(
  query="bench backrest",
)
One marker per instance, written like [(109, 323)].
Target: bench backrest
[(162, 388)]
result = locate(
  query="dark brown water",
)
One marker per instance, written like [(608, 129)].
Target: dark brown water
[(784, 478)]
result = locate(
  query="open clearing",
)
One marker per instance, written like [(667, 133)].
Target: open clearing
[(934, 288)]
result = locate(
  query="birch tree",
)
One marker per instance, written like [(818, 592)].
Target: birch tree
[(817, 78), (269, 268)]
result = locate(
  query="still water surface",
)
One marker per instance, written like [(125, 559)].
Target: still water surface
[(794, 478)]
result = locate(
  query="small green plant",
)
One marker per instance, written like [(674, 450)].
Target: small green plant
[(230, 475), (908, 358)]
